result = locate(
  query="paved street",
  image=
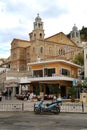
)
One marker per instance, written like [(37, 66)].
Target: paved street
[(30, 121)]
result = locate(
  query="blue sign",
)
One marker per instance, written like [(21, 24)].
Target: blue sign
[(74, 82)]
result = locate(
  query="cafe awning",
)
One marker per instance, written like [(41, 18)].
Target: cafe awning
[(11, 83)]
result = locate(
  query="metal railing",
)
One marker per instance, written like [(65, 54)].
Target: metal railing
[(11, 107), (29, 106)]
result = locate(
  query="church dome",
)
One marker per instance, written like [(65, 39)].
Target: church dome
[(38, 19), (74, 28)]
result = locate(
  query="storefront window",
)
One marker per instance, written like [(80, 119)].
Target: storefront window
[(51, 71), (65, 72), (38, 73)]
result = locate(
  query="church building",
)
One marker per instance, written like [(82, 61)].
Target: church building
[(57, 46)]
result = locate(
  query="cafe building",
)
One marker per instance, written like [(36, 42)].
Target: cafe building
[(52, 76)]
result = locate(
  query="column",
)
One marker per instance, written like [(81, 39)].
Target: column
[(13, 92), (20, 89)]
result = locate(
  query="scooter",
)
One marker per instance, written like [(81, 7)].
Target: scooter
[(38, 107), (53, 107)]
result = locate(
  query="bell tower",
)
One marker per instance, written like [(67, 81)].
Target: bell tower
[(38, 32), (75, 35)]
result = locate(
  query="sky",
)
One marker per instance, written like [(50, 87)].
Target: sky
[(17, 17)]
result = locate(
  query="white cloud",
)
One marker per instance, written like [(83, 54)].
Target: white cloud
[(17, 17), (5, 50)]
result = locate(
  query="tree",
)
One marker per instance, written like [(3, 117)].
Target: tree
[(79, 59), (83, 33), (72, 92)]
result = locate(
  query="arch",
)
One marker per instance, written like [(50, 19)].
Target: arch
[(34, 35), (61, 51), (40, 35)]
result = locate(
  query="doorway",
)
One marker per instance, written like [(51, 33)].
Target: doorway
[(63, 91)]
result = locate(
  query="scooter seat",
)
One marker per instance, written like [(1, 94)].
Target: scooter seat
[(48, 104)]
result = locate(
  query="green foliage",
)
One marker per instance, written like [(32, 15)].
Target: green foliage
[(79, 59), (83, 33), (68, 35), (37, 91), (72, 91), (54, 89)]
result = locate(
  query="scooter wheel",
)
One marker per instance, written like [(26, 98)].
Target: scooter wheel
[(37, 110), (57, 110)]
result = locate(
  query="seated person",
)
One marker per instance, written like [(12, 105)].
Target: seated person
[(59, 99)]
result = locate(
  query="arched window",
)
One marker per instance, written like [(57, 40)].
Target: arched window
[(61, 52), (40, 35), (77, 34), (73, 35), (34, 35), (41, 50), (39, 25)]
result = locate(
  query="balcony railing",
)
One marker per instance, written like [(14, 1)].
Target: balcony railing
[(55, 75), (28, 74)]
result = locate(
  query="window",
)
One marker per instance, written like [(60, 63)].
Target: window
[(34, 36), (73, 35), (77, 34), (39, 25), (41, 50), (40, 35), (51, 71), (61, 52), (45, 71), (65, 72), (38, 73)]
